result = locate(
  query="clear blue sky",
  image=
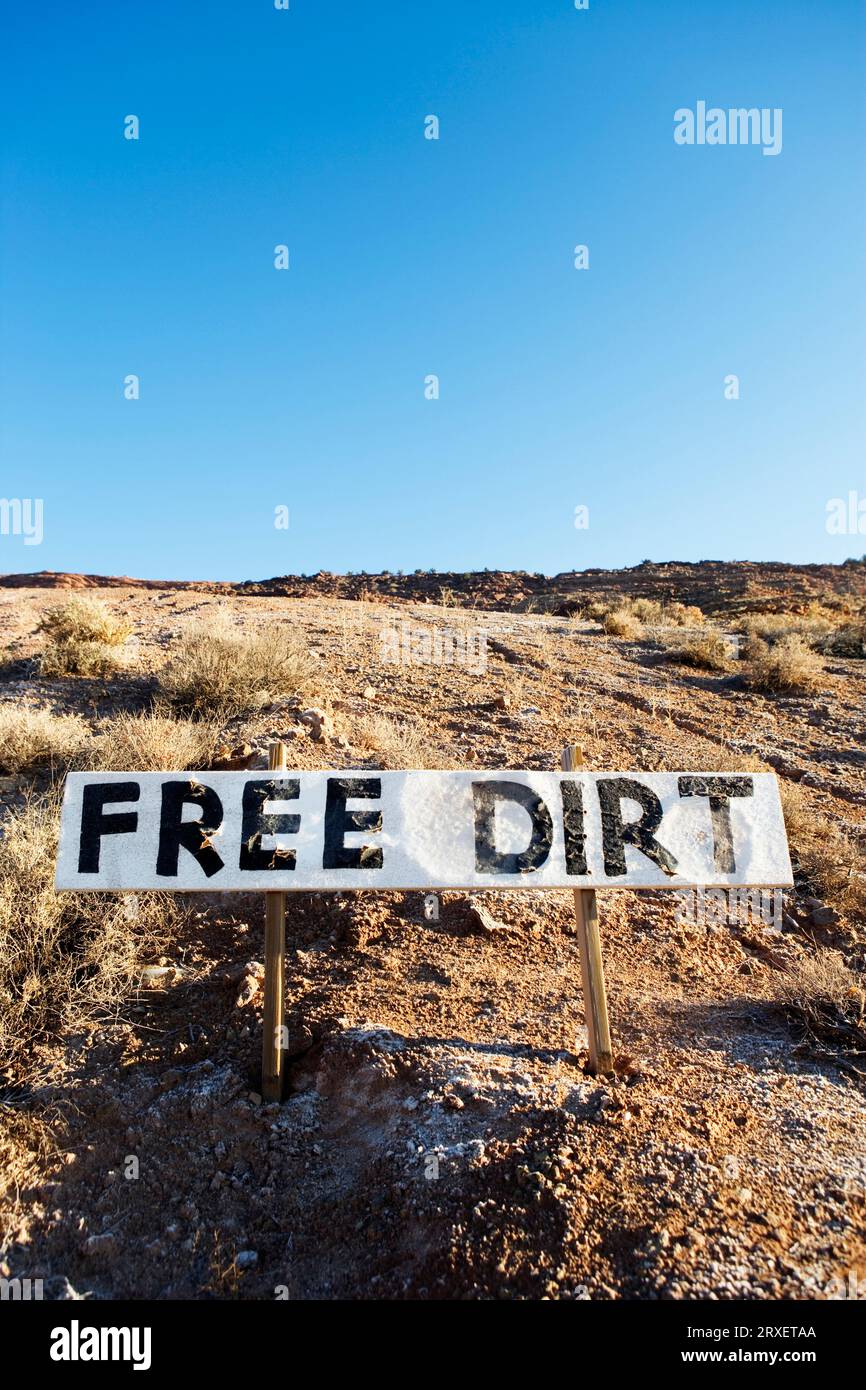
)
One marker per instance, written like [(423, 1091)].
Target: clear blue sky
[(410, 257)]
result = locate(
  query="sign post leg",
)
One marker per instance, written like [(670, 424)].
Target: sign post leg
[(591, 963), (273, 1051)]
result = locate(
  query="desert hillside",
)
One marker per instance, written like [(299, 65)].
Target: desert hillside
[(718, 587), (441, 1136)]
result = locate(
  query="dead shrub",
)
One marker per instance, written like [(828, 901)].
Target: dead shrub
[(706, 652), (788, 665), (398, 743), (826, 854), (154, 742), (649, 612), (683, 615), (849, 640), (646, 610), (219, 671), (31, 738), (619, 622), (823, 1000), (774, 627), (84, 638), (64, 957)]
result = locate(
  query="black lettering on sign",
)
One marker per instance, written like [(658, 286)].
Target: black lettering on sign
[(719, 790), (95, 824), (338, 820), (574, 828), (193, 835), (255, 823), (616, 833), (488, 859)]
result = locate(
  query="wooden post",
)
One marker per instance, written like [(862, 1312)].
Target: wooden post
[(591, 963), (273, 1051)]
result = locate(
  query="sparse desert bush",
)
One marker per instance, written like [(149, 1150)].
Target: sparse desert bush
[(849, 640), (823, 998), (829, 857), (31, 738), (644, 612), (64, 957), (219, 671), (773, 627), (683, 615), (154, 742), (789, 665), (707, 651), (620, 622), (841, 634), (84, 638), (399, 743)]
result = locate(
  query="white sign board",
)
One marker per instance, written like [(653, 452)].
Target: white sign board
[(261, 831)]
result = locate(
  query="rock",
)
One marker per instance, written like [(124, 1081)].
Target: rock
[(247, 1259), (233, 759), (501, 701), (155, 976), (823, 917), (248, 991), (370, 693), (478, 919), (319, 723)]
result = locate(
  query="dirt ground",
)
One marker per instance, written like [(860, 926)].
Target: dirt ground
[(442, 1137)]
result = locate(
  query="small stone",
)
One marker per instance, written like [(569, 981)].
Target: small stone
[(247, 1259), (319, 723), (248, 992), (154, 976), (823, 917)]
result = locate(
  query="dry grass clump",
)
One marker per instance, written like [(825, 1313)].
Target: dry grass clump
[(683, 615), (823, 999), (396, 743), (829, 857), (839, 634), (31, 738), (64, 957), (707, 651), (627, 617), (813, 628), (84, 638), (789, 665), (219, 671), (619, 622), (656, 614), (596, 610), (154, 742)]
